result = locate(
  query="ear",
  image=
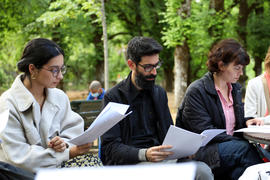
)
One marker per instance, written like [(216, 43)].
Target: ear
[(221, 66), (131, 64), (32, 68)]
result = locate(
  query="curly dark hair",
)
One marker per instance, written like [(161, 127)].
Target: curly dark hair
[(227, 51)]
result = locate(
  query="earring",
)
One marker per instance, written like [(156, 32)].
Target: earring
[(33, 76)]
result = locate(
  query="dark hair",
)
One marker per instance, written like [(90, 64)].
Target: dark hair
[(142, 46), (38, 52), (227, 51)]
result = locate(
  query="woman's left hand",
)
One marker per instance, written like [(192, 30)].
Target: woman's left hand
[(257, 122), (57, 144)]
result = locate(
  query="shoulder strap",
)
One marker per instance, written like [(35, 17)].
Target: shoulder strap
[(266, 93)]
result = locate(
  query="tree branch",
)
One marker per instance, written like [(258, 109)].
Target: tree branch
[(117, 34)]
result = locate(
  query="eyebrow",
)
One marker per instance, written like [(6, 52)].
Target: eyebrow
[(56, 66), (151, 64)]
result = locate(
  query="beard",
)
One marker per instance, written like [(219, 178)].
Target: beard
[(142, 82)]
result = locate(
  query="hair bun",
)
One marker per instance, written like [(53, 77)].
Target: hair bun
[(22, 65)]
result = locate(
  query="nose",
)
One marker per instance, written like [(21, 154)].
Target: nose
[(241, 72), (154, 71), (60, 75)]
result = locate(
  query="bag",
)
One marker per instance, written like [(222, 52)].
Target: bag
[(86, 160)]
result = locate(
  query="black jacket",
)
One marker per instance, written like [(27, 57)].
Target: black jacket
[(201, 109), (115, 147)]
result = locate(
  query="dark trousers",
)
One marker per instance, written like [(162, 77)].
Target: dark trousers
[(235, 157)]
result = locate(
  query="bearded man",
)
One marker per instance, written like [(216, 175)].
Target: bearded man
[(138, 138)]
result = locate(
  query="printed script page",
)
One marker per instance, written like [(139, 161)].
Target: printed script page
[(185, 143), (109, 116)]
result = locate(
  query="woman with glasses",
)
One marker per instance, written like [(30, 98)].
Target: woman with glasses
[(41, 121)]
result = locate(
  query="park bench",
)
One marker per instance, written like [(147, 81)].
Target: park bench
[(88, 110)]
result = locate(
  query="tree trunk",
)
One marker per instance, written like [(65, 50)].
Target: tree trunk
[(105, 44), (99, 73), (258, 65), (242, 33), (181, 64), (181, 59), (213, 30), (218, 5), (259, 10), (168, 76), (242, 21)]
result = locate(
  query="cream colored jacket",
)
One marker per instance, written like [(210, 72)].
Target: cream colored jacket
[(255, 103), (28, 130)]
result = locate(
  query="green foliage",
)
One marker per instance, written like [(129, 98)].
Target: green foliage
[(200, 28), (76, 26), (14, 17), (259, 33), (173, 34)]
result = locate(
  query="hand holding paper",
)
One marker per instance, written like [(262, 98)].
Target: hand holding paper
[(185, 143), (110, 115)]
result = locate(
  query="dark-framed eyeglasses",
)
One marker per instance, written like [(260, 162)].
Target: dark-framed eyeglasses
[(55, 70), (150, 67)]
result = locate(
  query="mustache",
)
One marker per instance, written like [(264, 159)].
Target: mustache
[(150, 76)]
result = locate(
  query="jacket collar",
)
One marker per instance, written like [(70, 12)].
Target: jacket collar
[(24, 97), (125, 87), (208, 81)]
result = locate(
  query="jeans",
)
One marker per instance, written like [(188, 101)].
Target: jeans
[(235, 157)]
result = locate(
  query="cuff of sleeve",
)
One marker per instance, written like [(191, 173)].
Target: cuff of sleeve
[(141, 154), (62, 156)]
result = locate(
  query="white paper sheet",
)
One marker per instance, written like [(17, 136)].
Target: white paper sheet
[(109, 116), (185, 143), (158, 171), (3, 120), (255, 129), (210, 134)]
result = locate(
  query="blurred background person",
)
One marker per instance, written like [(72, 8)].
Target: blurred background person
[(257, 102), (95, 91)]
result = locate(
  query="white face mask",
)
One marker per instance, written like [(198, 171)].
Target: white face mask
[(95, 94)]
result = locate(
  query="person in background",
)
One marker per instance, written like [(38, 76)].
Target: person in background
[(138, 138), (41, 121), (95, 91), (215, 102), (255, 99)]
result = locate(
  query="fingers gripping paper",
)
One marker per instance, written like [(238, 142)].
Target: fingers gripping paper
[(185, 143)]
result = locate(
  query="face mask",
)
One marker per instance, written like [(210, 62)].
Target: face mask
[(95, 94), (142, 81)]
